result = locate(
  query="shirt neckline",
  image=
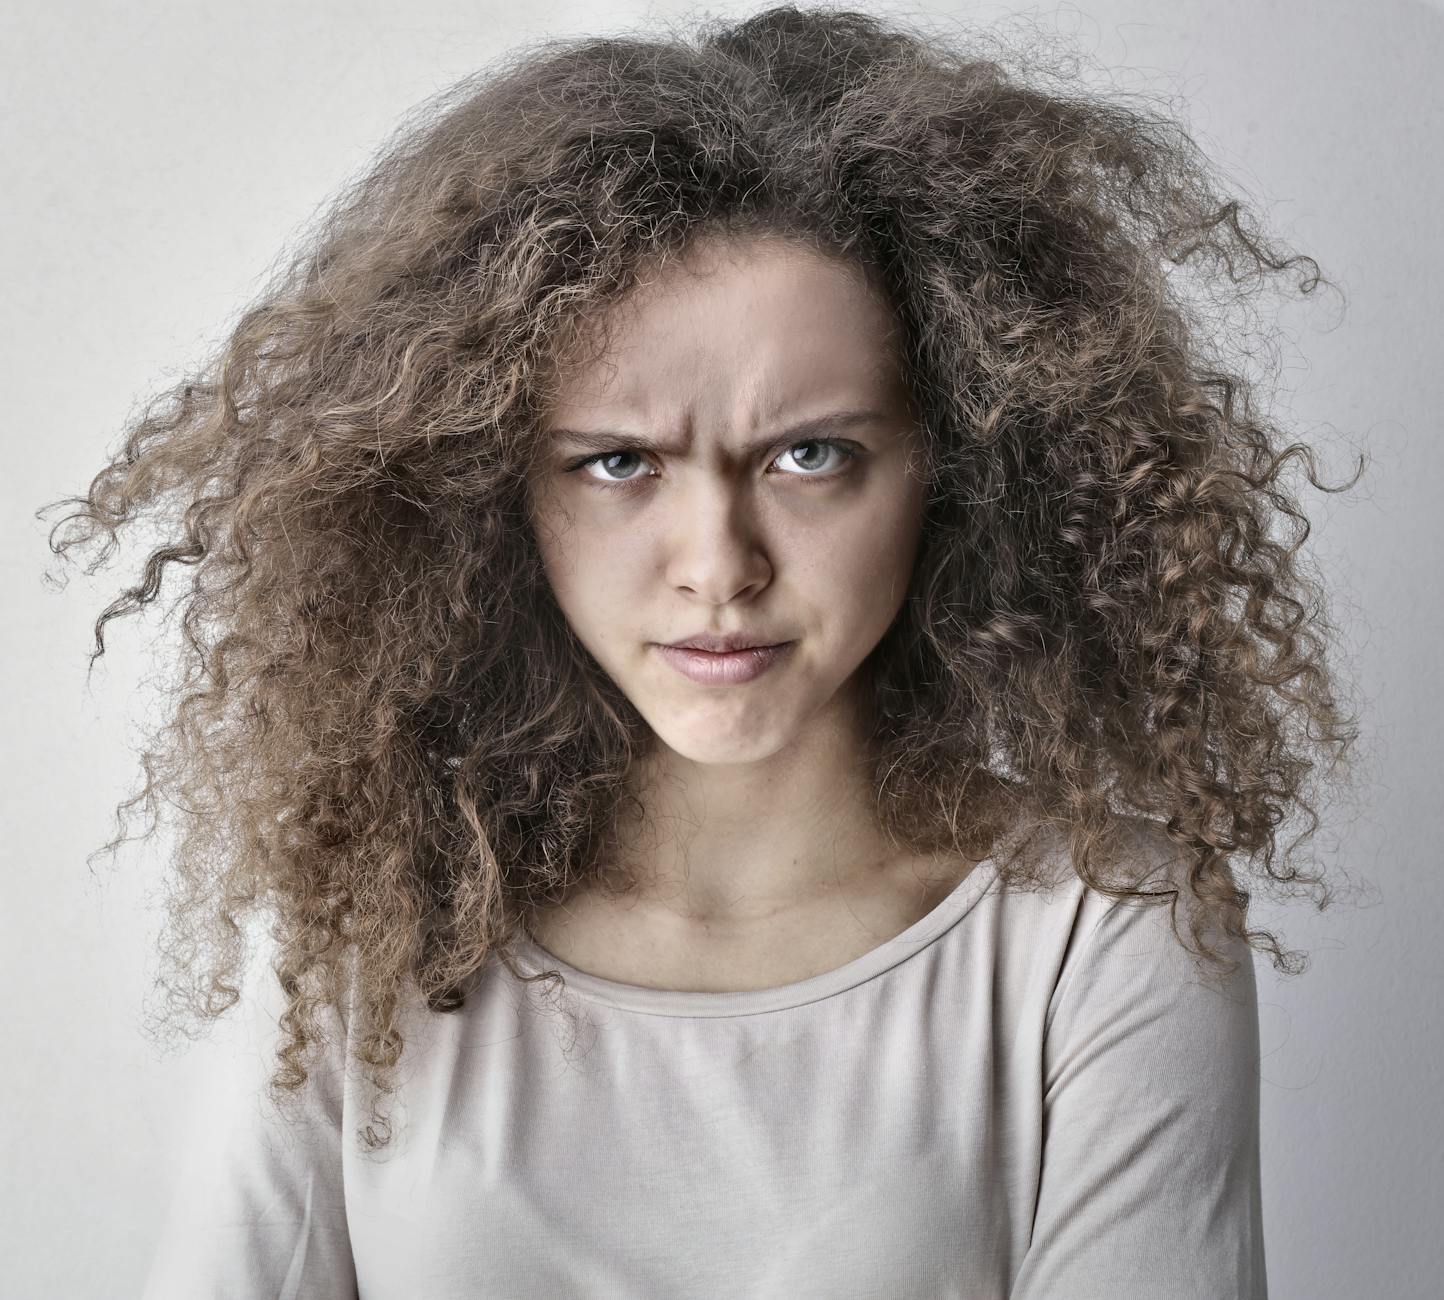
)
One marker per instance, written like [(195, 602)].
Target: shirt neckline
[(745, 1002)]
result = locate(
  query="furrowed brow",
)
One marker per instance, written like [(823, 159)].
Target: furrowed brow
[(816, 427)]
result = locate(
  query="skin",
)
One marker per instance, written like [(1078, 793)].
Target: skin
[(760, 788)]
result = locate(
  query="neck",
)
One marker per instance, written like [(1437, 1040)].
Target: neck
[(720, 843)]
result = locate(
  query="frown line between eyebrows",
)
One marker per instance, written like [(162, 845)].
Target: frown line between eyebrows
[(817, 426)]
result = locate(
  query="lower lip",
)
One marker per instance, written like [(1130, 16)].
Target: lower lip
[(730, 669)]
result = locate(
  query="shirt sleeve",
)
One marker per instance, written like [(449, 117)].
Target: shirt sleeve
[(1149, 1186), (257, 1211)]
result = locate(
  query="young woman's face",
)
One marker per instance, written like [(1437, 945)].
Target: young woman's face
[(735, 523)]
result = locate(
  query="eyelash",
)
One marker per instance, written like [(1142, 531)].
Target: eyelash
[(848, 453)]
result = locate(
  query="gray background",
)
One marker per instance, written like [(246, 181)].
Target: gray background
[(157, 156)]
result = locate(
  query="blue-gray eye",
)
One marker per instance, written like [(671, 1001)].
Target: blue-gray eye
[(844, 452)]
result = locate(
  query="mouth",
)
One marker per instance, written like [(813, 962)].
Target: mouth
[(724, 667), (722, 650), (722, 642)]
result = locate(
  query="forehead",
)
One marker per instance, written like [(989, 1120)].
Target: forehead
[(736, 332)]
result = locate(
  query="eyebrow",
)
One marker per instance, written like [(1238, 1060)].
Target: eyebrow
[(820, 425)]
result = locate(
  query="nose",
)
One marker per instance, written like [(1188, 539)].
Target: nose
[(716, 549)]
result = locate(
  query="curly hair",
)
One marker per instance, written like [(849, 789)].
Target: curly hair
[(388, 743)]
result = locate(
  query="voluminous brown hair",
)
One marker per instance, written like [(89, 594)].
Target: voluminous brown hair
[(388, 742)]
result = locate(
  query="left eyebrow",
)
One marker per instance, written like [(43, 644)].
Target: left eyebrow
[(817, 426)]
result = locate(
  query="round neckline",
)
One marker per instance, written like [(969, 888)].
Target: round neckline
[(744, 1002)]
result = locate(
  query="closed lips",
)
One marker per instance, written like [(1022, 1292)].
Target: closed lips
[(725, 644)]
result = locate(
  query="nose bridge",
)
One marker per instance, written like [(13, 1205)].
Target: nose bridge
[(715, 540)]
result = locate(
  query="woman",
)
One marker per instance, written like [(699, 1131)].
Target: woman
[(889, 939)]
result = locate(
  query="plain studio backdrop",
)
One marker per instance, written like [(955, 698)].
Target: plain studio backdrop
[(156, 158)]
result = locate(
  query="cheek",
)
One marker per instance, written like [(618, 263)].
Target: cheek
[(856, 582), (874, 561), (558, 549), (595, 574), (561, 538)]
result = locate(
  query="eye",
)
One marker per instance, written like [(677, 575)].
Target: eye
[(603, 458), (606, 459), (844, 453)]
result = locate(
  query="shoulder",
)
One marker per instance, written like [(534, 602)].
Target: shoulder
[(1150, 1090), (1149, 861), (1131, 959)]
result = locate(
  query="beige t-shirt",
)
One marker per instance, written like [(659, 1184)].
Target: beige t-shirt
[(1035, 1095)]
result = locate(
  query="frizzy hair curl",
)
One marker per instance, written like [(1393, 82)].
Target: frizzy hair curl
[(388, 742)]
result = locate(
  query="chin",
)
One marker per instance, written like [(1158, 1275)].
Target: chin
[(741, 741)]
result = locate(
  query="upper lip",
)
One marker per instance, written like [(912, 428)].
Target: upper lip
[(722, 644)]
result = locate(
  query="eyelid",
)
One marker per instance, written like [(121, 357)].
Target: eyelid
[(849, 451)]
